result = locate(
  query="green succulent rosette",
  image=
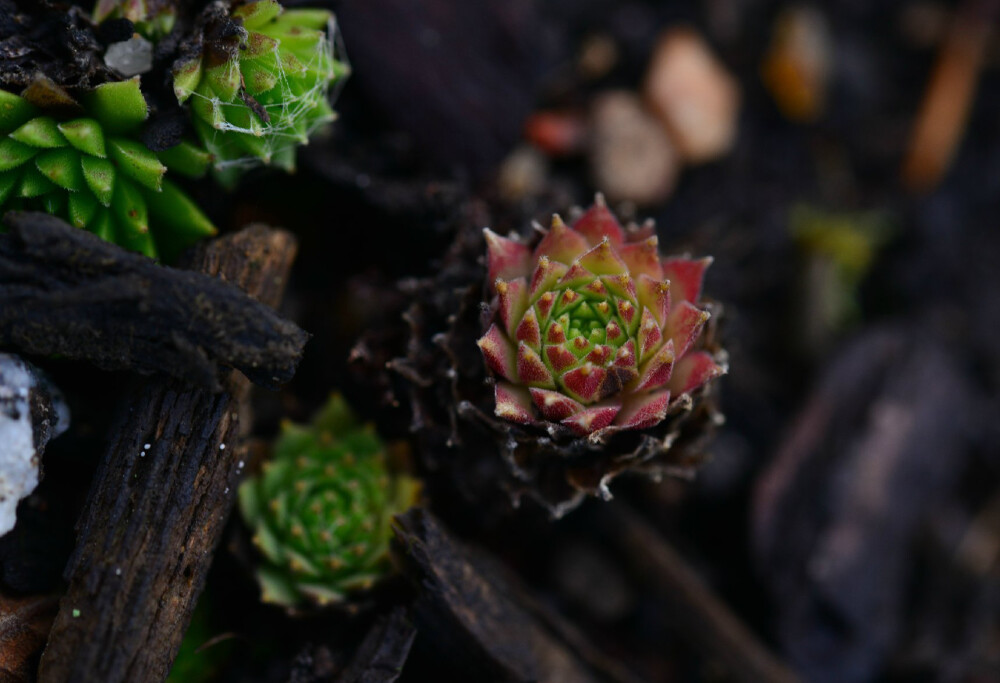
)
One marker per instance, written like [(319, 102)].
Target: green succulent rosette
[(92, 171), (259, 86), (321, 509)]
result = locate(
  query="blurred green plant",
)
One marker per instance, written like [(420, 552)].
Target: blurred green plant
[(839, 249), (321, 509)]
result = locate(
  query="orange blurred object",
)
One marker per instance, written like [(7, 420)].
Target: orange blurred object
[(797, 66), (948, 99), (557, 133)]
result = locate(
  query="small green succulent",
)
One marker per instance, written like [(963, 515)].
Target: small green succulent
[(321, 509), (258, 92), (152, 18), (94, 172)]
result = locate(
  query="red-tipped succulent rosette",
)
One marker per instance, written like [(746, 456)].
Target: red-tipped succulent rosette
[(592, 330), (598, 359)]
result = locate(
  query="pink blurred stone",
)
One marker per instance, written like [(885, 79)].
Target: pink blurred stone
[(631, 156), (695, 97)]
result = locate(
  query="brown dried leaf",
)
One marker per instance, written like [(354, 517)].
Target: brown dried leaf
[(24, 628)]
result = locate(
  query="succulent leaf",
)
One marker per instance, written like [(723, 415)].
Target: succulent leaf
[(41, 133), (14, 110), (186, 159), (597, 334), (320, 510), (119, 105), (99, 180), (86, 135), (270, 93), (136, 161), (62, 167)]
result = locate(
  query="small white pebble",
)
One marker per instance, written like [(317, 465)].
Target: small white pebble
[(118, 571), (240, 465), (222, 446), (227, 490), (142, 454), (146, 446), (130, 57)]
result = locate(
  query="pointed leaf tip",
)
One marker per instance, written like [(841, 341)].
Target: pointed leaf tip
[(119, 105), (499, 354), (644, 411), (590, 420), (553, 405), (513, 403), (507, 258), (85, 135), (694, 371), (686, 277), (598, 223)]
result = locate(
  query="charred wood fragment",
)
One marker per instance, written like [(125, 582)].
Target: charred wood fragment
[(702, 618), (159, 502), (478, 623), (383, 652), (67, 292)]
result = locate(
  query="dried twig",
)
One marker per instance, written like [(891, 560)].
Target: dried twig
[(948, 99)]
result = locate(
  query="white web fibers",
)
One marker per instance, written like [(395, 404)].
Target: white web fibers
[(292, 116)]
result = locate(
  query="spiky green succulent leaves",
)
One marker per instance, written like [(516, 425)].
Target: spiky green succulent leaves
[(93, 172), (593, 330), (260, 86), (320, 510), (152, 18)]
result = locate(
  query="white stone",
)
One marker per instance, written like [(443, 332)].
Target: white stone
[(130, 57), (19, 460)]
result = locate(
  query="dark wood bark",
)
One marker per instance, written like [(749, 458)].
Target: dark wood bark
[(383, 652), (702, 618), (67, 292), (477, 622), (159, 502)]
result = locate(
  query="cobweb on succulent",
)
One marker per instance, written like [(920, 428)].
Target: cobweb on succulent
[(279, 136)]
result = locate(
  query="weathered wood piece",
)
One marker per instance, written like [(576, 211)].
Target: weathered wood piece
[(67, 292), (703, 619), (159, 502), (383, 652), (478, 622)]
